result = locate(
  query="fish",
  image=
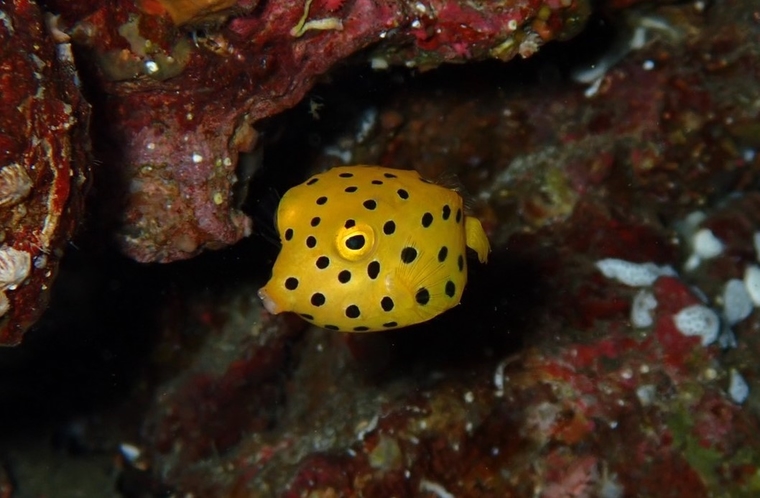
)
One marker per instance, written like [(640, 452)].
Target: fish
[(370, 248)]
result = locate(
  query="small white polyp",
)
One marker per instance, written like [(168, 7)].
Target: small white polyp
[(633, 274), (643, 304), (698, 320), (706, 244), (737, 303), (692, 263), (737, 387), (752, 283), (130, 452)]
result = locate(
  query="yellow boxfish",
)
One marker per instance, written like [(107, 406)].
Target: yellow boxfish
[(367, 248)]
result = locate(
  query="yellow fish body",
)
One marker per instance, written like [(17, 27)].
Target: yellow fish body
[(367, 248)]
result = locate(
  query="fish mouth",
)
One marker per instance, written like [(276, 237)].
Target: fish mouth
[(268, 302)]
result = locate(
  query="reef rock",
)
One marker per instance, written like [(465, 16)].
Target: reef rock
[(44, 160)]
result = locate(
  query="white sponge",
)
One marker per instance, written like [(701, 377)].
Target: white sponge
[(643, 304), (737, 303), (737, 387), (706, 244), (752, 283), (633, 274), (698, 320)]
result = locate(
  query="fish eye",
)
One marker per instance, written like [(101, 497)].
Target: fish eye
[(354, 241)]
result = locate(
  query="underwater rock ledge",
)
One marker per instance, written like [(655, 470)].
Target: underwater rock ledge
[(177, 105)]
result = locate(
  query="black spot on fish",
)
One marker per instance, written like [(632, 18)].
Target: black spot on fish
[(344, 276), (408, 254), (289, 234), (370, 204), (311, 242), (446, 212), (423, 296), (323, 262), (315, 221), (321, 200), (387, 303), (350, 224), (427, 219), (389, 228), (318, 299), (353, 311), (442, 254), (373, 269), (451, 289), (291, 283), (403, 193)]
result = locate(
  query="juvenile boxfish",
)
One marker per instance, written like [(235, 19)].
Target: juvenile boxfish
[(367, 248)]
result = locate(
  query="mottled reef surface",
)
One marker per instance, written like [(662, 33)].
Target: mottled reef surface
[(609, 348)]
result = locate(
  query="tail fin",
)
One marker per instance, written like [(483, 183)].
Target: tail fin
[(476, 239)]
